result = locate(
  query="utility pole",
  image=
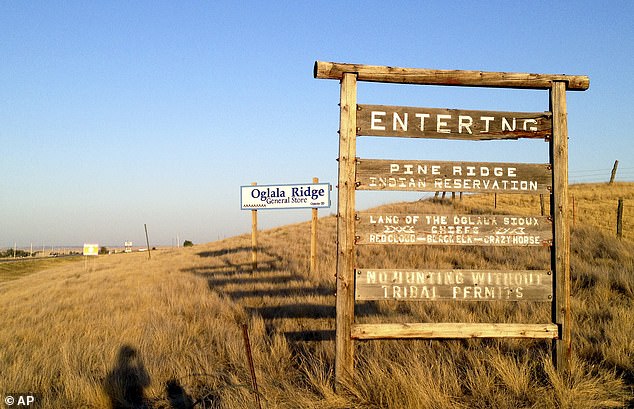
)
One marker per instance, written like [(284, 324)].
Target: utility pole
[(147, 240)]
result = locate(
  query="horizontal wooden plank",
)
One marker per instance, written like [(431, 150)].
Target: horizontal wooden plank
[(452, 229), (422, 76), (453, 285), (382, 120), (434, 176), (453, 330)]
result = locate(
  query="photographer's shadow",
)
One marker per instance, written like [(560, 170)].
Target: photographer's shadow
[(126, 382)]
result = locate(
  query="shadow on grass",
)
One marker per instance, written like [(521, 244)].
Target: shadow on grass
[(265, 293), (231, 269), (176, 395), (221, 282), (298, 310), (223, 252), (267, 261), (283, 292), (318, 335), (125, 384)]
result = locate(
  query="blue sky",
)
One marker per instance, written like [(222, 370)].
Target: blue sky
[(118, 114)]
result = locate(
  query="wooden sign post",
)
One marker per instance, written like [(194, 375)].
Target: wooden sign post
[(287, 196), (344, 347), (450, 229), (254, 237), (560, 253), (313, 237)]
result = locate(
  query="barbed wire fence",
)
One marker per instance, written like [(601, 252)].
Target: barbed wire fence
[(600, 175), (615, 220)]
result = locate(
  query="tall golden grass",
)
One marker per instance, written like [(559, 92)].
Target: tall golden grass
[(166, 332), (593, 204)]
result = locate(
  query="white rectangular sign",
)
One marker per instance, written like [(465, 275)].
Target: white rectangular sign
[(91, 249), (310, 195)]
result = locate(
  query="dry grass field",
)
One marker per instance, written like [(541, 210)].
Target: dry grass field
[(595, 204), (16, 269), (126, 332)]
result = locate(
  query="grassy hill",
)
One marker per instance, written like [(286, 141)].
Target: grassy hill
[(167, 332), (595, 204)]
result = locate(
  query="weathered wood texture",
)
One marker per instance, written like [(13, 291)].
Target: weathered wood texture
[(613, 174), (560, 254), (453, 330), (313, 237), (254, 237), (382, 120), (452, 229), (407, 175), (453, 285), (619, 219), (432, 176), (344, 347), (375, 73)]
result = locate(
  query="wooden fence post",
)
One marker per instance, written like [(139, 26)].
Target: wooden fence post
[(254, 237), (619, 219), (313, 237), (613, 175)]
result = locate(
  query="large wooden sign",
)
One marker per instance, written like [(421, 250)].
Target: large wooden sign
[(449, 229), (453, 229), (380, 120), (453, 285), (434, 176)]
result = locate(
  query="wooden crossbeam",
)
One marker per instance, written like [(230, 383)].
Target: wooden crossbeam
[(422, 76), (453, 330)]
